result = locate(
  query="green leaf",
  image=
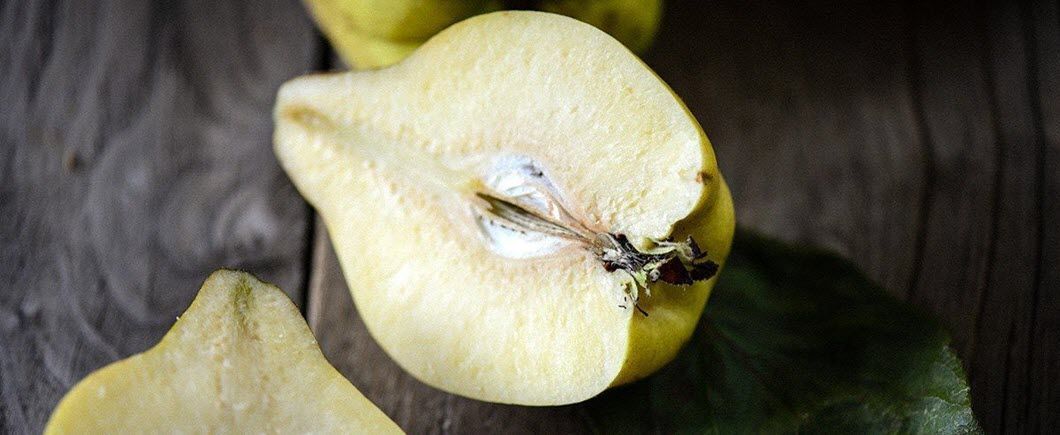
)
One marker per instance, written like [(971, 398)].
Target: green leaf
[(798, 340)]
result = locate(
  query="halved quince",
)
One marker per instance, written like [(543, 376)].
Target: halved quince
[(524, 212), (241, 359)]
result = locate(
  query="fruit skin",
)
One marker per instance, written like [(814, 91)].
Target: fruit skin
[(205, 376), (534, 332), (632, 22), (404, 20), (713, 226), (376, 33)]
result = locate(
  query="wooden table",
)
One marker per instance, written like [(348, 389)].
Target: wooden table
[(921, 141)]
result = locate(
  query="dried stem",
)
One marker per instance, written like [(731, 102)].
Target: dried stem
[(678, 263)]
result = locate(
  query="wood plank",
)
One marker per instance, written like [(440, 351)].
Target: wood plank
[(1043, 371), (135, 158), (811, 115), (960, 210), (950, 82), (1000, 351)]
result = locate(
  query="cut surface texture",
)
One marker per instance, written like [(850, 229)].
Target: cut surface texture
[(546, 113), (240, 360)]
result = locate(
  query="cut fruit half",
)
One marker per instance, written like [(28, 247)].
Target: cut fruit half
[(240, 359), (503, 202)]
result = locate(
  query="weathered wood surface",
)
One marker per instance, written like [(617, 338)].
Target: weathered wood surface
[(135, 158), (920, 140)]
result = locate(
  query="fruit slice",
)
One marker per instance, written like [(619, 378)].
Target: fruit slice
[(500, 203), (241, 359)]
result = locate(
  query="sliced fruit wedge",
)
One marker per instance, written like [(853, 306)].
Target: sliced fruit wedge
[(240, 359), (524, 212)]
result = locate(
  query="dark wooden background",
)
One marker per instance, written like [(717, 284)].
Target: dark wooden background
[(921, 140)]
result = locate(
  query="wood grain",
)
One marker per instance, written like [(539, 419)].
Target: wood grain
[(966, 164), (999, 352), (1042, 391), (135, 158), (812, 118), (919, 139), (954, 103)]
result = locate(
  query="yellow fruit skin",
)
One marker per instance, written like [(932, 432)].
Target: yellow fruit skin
[(712, 224), (652, 345), (405, 20), (632, 22), (376, 33), (240, 359), (356, 48)]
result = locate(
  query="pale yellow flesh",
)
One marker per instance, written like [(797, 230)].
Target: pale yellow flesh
[(388, 158), (240, 360)]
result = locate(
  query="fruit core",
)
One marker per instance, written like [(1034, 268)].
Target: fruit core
[(519, 212), (521, 216)]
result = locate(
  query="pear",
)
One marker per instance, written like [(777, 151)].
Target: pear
[(524, 212), (240, 359)]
